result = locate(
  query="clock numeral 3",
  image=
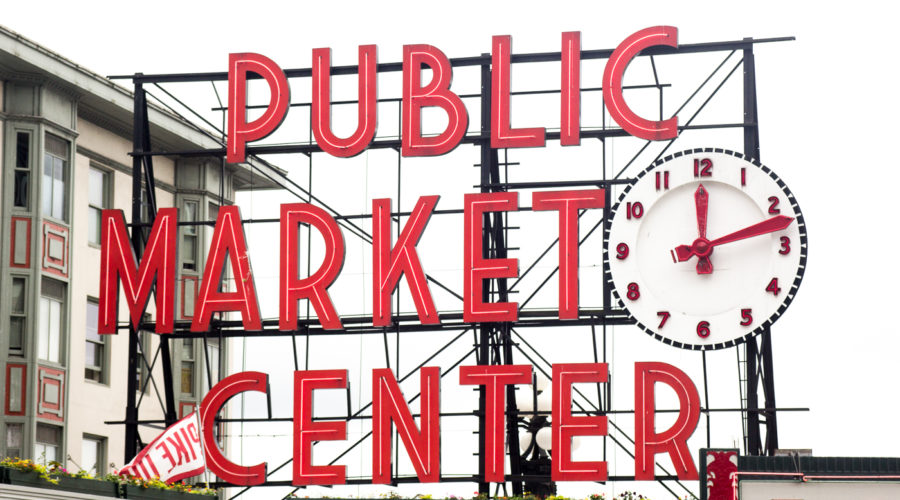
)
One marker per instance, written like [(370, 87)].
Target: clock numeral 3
[(773, 205), (662, 180), (746, 317), (634, 210), (664, 315), (785, 245), (703, 168), (773, 287), (634, 292), (703, 329), (621, 251)]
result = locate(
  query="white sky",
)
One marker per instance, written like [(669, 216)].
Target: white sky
[(826, 111)]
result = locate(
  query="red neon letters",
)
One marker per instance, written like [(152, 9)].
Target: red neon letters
[(119, 263), (495, 378), (227, 240), (214, 400), (306, 431), (321, 111), (389, 405), (476, 267), (314, 287), (566, 426), (568, 203), (612, 84), (437, 93), (389, 263), (674, 440), (239, 131)]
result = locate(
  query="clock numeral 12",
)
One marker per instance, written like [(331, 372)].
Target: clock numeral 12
[(634, 210), (634, 292), (703, 329), (662, 180), (746, 317), (665, 317), (773, 287), (743, 176), (703, 168)]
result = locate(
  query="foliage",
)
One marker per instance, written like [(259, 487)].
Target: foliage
[(54, 470)]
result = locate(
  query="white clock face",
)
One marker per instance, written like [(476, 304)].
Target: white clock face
[(705, 249)]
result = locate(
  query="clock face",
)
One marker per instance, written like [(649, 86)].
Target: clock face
[(705, 249)]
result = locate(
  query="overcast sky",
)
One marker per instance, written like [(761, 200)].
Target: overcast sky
[(827, 108)]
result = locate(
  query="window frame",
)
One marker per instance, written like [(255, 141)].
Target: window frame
[(37, 442), (102, 368), (66, 179), (19, 315), (100, 441), (106, 203), (190, 231), (62, 331)]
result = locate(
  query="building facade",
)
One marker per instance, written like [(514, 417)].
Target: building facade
[(65, 138)]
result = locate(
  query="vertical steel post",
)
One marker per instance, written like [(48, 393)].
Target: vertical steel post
[(757, 353), (484, 330)]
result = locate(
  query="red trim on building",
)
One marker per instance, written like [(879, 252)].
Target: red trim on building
[(51, 377), (12, 243), (9, 368)]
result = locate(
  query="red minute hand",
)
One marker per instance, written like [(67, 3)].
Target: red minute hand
[(701, 200), (702, 247)]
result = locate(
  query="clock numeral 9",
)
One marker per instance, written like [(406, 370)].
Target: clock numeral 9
[(665, 317), (746, 317), (634, 210), (773, 287), (785, 245), (621, 251), (634, 292), (703, 329), (773, 205), (703, 168)]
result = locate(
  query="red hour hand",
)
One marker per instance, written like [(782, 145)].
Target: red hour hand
[(701, 200), (702, 247)]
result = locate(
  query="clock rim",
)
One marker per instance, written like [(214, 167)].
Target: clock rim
[(790, 293)]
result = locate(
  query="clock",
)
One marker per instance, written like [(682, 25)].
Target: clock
[(705, 249)]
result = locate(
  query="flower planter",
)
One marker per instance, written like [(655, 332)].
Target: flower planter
[(136, 492), (65, 483)]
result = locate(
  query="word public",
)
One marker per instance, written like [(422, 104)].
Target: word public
[(417, 95)]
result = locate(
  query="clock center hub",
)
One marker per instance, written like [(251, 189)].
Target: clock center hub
[(701, 247)]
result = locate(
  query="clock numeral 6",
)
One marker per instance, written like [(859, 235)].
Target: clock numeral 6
[(634, 292), (703, 168), (773, 205), (785, 245), (703, 329), (773, 287), (746, 317), (634, 210), (665, 317)]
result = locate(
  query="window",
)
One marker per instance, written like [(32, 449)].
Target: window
[(95, 346), (56, 173), (92, 455), (187, 367), (46, 443), (23, 170), (13, 440), (51, 320), (17, 316), (98, 199), (189, 237)]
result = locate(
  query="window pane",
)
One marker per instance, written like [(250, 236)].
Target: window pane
[(187, 349), (55, 324), (22, 148), (59, 191), (90, 455), (44, 329), (93, 311), (47, 187), (187, 377), (16, 333), (20, 193), (56, 146), (96, 187), (18, 296), (91, 354), (94, 225), (13, 440)]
